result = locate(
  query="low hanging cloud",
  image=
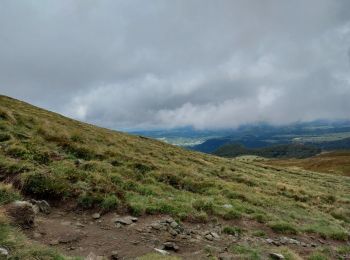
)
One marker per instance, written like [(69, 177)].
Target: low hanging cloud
[(149, 64)]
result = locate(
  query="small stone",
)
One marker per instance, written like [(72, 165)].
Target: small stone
[(54, 242), (78, 224), (172, 232), (37, 235), (215, 235), (174, 224), (269, 240), (114, 255), (170, 246), (125, 220), (92, 256), (225, 256), (156, 226), (162, 252), (227, 206), (277, 256), (169, 220), (42, 205), (4, 253), (209, 237), (96, 216)]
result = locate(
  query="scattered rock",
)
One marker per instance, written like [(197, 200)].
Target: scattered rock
[(162, 252), (209, 237), (4, 253), (156, 226), (37, 235), (22, 213), (128, 220), (170, 246), (172, 232), (277, 256), (54, 242), (92, 256), (225, 256), (96, 216), (42, 205), (174, 224), (215, 235), (115, 255)]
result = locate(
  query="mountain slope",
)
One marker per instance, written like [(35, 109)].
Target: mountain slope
[(45, 155)]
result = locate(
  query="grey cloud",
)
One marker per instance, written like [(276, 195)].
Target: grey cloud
[(208, 64)]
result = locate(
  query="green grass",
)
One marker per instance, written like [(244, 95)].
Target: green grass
[(52, 157)]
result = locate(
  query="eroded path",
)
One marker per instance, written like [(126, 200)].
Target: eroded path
[(79, 234)]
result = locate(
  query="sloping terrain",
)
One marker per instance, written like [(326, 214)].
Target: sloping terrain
[(47, 156), (337, 162)]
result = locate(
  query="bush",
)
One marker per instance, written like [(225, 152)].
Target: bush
[(4, 137), (232, 214), (110, 202), (204, 205), (44, 185), (88, 201), (17, 151), (284, 228), (232, 230), (198, 217), (7, 194)]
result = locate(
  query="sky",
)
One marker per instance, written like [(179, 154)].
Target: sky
[(145, 64)]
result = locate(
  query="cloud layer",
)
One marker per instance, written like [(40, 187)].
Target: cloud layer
[(201, 63)]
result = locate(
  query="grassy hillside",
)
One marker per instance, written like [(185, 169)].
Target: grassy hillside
[(332, 162), (45, 155)]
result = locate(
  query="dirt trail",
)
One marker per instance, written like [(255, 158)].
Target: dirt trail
[(78, 234)]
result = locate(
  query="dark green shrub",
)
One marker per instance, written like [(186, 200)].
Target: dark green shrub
[(232, 230), (284, 228), (110, 202), (204, 205), (7, 194), (88, 201), (4, 137), (232, 214), (44, 185)]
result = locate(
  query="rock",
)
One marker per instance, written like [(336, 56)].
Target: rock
[(128, 220), (174, 224), (170, 246), (54, 242), (4, 253), (78, 224), (172, 232), (156, 226), (37, 235), (115, 255), (269, 240), (277, 256), (22, 213), (92, 256), (227, 206), (162, 252), (42, 205), (209, 237), (215, 235), (96, 216), (225, 256), (169, 220)]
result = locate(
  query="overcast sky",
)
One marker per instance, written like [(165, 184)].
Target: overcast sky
[(203, 63)]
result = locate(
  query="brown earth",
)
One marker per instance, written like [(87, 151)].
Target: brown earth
[(78, 234)]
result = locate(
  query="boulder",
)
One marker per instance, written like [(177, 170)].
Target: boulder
[(96, 216), (128, 220), (170, 246), (42, 205), (277, 256), (22, 213), (4, 253), (115, 255)]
